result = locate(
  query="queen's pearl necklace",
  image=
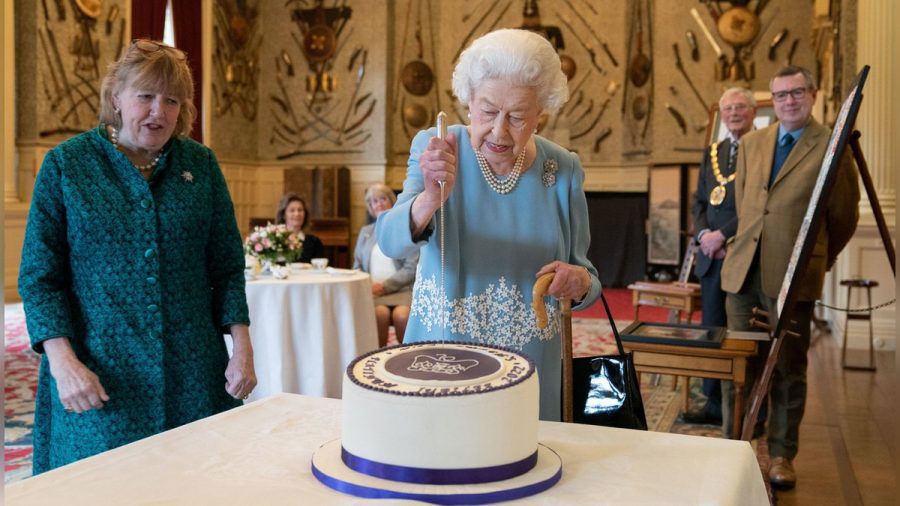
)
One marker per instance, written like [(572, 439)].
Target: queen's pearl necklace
[(501, 186)]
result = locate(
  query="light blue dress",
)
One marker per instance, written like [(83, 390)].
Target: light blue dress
[(494, 246)]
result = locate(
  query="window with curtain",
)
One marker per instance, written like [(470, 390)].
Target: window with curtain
[(177, 24)]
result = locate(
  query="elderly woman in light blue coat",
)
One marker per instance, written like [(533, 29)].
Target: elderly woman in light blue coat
[(392, 279), (514, 208)]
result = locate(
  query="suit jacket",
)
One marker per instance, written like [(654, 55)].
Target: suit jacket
[(707, 216), (406, 266), (770, 218)]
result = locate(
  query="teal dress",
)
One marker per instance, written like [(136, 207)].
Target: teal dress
[(494, 246), (143, 277)]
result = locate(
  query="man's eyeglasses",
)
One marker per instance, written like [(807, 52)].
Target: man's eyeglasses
[(797, 93), (735, 108), (148, 46)]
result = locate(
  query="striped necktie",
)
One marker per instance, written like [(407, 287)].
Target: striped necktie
[(732, 156), (781, 153)]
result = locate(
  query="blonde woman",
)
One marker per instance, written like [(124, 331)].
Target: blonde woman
[(392, 279), (132, 270)]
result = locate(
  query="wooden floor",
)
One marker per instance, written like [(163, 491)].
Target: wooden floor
[(847, 438)]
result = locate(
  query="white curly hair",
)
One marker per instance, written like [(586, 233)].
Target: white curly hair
[(517, 57)]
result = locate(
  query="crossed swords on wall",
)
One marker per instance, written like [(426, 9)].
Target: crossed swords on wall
[(73, 95)]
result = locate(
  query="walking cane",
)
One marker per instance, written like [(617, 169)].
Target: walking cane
[(565, 309)]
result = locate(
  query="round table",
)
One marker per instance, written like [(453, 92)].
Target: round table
[(307, 328)]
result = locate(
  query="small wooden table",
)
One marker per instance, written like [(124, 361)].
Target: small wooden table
[(726, 363), (677, 296)]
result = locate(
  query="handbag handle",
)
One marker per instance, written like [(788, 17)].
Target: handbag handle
[(612, 323)]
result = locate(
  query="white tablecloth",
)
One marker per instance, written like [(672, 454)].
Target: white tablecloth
[(306, 329), (260, 454)]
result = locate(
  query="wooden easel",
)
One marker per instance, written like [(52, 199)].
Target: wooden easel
[(873, 199), (761, 387)]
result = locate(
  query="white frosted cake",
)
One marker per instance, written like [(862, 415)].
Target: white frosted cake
[(444, 423), (441, 406)]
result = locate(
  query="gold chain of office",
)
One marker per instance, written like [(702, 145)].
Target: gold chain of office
[(717, 195)]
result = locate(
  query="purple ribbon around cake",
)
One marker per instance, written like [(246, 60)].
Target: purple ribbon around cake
[(427, 476), (510, 494)]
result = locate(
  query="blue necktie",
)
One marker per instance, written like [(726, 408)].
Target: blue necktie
[(781, 153)]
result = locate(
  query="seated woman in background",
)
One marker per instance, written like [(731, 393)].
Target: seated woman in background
[(392, 279), (292, 212)]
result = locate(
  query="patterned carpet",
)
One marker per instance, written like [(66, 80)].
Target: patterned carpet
[(21, 366), (591, 336)]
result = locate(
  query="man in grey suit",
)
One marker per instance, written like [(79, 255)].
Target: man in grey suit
[(715, 221), (777, 171)]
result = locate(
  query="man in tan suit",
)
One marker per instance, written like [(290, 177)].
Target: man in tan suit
[(777, 170)]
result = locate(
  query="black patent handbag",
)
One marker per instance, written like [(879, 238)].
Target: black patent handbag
[(606, 390)]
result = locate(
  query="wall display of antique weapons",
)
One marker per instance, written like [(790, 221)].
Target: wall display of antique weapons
[(611, 89), (531, 20), (417, 97), (637, 103), (699, 125), (71, 53), (741, 27), (327, 81), (679, 65), (331, 113), (236, 58), (589, 59), (832, 68), (578, 31), (489, 19), (734, 43)]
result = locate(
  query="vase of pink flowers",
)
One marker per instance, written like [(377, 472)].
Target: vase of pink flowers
[(274, 244)]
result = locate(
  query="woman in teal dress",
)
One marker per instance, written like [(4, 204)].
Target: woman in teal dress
[(514, 210), (132, 271)]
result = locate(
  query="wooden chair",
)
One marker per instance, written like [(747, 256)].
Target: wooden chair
[(258, 221), (327, 193), (335, 236), (680, 297)]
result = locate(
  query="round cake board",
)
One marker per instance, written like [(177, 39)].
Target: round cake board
[(329, 469)]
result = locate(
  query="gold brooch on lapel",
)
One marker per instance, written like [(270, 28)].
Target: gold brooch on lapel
[(187, 176), (549, 175)]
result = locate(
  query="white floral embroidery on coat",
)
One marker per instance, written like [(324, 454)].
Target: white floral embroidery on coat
[(499, 316)]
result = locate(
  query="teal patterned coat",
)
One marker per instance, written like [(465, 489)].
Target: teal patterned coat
[(143, 277)]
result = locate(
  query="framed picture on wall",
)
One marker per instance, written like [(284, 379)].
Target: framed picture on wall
[(664, 216), (765, 116)]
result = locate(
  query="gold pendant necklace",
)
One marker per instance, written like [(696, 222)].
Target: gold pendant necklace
[(717, 195)]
